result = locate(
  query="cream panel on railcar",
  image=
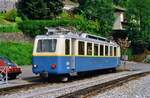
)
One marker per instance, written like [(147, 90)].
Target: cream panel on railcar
[(59, 46), (60, 49), (118, 51)]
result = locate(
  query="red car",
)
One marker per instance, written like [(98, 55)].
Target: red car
[(12, 69)]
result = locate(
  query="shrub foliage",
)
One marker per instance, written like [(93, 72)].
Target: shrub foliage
[(20, 53), (36, 27), (11, 15)]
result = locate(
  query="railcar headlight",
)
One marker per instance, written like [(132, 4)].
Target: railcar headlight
[(34, 66), (9, 67), (53, 66)]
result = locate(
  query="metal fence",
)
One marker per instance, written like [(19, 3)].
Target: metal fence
[(147, 59), (3, 75)]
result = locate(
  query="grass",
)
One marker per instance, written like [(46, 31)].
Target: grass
[(9, 28), (2, 16), (20, 53), (4, 22)]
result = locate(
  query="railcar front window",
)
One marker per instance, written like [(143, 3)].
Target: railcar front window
[(47, 45)]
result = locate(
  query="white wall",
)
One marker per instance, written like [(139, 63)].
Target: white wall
[(118, 19)]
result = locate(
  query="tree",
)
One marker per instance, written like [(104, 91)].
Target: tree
[(138, 15), (100, 10), (124, 45), (81, 3), (54, 7), (39, 9), (122, 3)]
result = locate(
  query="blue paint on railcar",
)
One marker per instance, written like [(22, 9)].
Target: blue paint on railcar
[(82, 63), (44, 64), (95, 63)]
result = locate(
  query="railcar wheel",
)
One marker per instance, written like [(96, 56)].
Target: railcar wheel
[(12, 76), (65, 79), (44, 75), (113, 69)]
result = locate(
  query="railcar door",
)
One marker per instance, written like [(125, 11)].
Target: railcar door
[(73, 58)]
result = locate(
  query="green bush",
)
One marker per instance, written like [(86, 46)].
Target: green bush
[(18, 19), (138, 46), (11, 15), (36, 27), (20, 53), (148, 45), (130, 54)]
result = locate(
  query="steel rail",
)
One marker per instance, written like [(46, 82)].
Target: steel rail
[(87, 86), (8, 88), (81, 87), (94, 90)]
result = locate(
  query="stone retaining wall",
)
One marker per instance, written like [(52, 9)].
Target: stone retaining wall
[(17, 37)]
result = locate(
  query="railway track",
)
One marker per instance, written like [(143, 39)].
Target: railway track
[(9, 88), (80, 88), (34, 82), (96, 89)]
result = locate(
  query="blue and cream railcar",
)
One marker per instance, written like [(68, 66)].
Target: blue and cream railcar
[(69, 53)]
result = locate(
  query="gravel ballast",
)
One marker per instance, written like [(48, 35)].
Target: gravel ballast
[(139, 88)]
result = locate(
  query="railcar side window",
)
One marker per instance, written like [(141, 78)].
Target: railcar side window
[(81, 48), (89, 48), (101, 50), (111, 51), (106, 50), (46, 45), (115, 51), (96, 49), (67, 46)]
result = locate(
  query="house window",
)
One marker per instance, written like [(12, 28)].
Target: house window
[(89, 48), (81, 48)]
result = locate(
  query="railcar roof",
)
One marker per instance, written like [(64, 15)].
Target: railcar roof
[(65, 36), (70, 35), (77, 36)]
